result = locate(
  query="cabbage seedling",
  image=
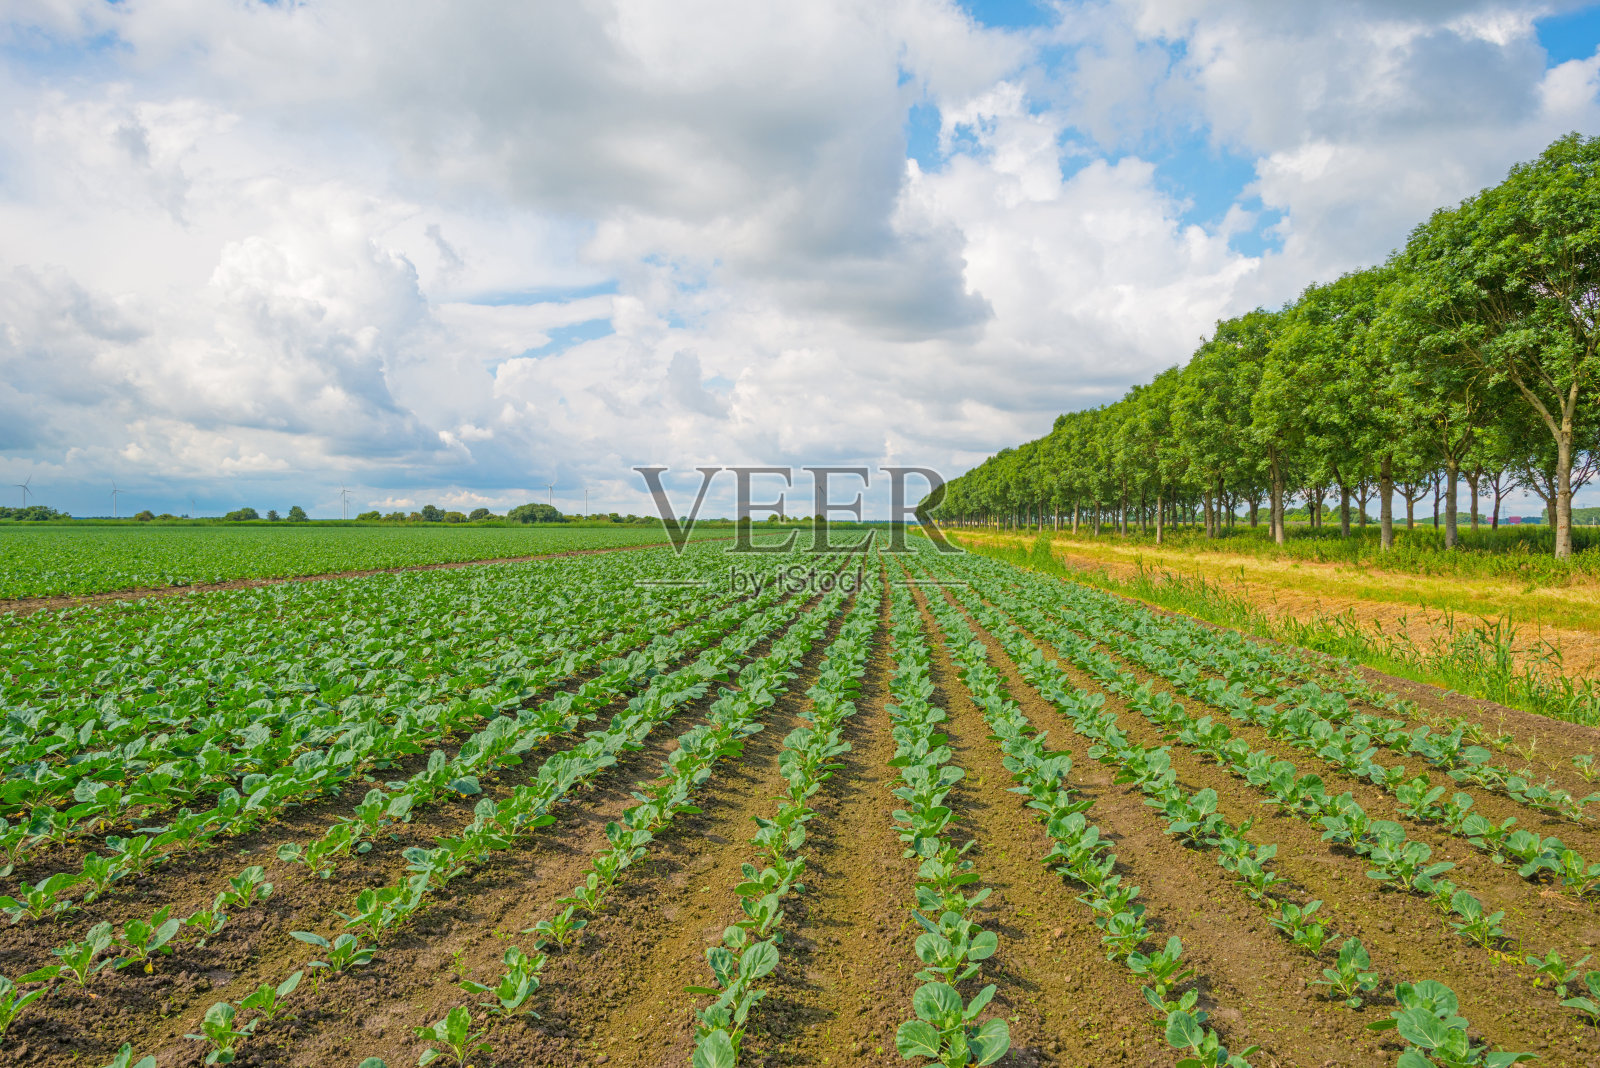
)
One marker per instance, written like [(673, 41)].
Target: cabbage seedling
[(455, 1033), (217, 1028), (943, 1029), (562, 929), (1349, 978), (13, 1001), (268, 1000)]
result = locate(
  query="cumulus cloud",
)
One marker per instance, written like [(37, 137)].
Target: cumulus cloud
[(459, 253)]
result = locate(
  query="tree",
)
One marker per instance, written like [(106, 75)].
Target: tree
[(480, 513), (455, 517), (242, 515), (369, 517), (432, 513), (534, 513), (1510, 279), (272, 515), (145, 516), (297, 514)]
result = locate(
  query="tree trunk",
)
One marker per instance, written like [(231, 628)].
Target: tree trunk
[(1563, 513), (1386, 497), (1075, 515), (1472, 484), (1158, 518), (1344, 510), (1279, 534), (1452, 468)]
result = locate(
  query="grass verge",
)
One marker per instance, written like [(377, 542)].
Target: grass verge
[(1477, 659)]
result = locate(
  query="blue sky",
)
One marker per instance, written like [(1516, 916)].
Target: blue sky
[(248, 260)]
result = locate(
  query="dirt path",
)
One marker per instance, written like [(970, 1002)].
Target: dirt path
[(24, 606)]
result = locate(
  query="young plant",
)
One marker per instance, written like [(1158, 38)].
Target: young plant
[(736, 965), (1483, 928), (143, 940), (952, 948), (124, 1059), (455, 1034), (217, 1028), (1589, 1005), (267, 1000), (1349, 978), (1435, 1034), (562, 929), (944, 1032), (13, 1001), (1185, 1032), (244, 889), (1555, 971), (344, 953), (79, 960), (42, 898), (514, 991), (209, 921), (1163, 971), (1295, 921)]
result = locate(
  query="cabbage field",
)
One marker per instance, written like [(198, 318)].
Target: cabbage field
[(56, 560), (867, 809)]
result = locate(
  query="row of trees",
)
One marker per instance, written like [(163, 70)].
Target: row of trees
[(1472, 355), (297, 514)]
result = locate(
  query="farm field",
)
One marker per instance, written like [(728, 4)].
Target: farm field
[(53, 561), (926, 808)]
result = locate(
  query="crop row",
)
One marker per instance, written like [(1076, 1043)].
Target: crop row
[(732, 718), (496, 825), (247, 748), (749, 950), (953, 944), (1197, 651), (497, 744), (1398, 862), (1345, 748)]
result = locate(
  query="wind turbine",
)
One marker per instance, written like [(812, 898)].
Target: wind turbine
[(586, 502), (552, 490), (114, 492), (23, 486), (344, 502), (192, 508)]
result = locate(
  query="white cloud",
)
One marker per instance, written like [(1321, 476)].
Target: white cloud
[(255, 245)]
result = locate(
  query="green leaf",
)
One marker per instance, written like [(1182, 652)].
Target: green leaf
[(714, 1050), (990, 1042), (1183, 1032), (935, 1001), (917, 1039), (759, 960)]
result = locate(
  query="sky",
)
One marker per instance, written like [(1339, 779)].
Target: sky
[(476, 254)]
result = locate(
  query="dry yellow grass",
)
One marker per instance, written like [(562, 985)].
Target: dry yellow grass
[(1567, 618)]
